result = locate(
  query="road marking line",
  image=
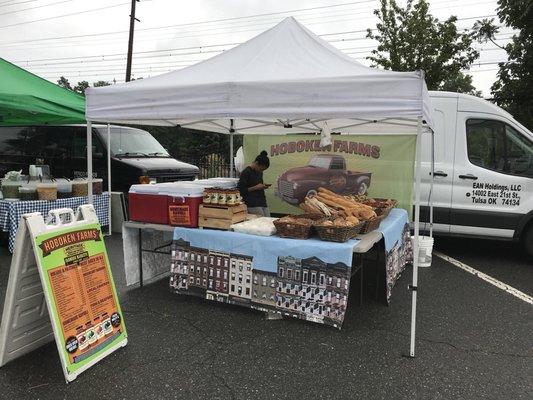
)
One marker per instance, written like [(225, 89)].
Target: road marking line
[(500, 285)]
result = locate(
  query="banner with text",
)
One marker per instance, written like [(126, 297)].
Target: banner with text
[(379, 166)]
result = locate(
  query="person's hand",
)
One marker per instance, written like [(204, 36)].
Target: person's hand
[(259, 186)]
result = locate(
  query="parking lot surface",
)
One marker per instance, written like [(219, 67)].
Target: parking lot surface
[(474, 341)]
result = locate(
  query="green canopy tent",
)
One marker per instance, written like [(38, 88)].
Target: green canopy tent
[(26, 99)]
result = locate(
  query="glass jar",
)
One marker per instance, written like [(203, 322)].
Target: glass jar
[(214, 196), (222, 197)]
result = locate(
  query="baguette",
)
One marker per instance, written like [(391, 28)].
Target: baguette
[(334, 204)]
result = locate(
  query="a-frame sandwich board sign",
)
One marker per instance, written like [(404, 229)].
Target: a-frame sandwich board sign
[(61, 286)]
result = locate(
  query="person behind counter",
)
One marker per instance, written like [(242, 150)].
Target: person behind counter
[(252, 187)]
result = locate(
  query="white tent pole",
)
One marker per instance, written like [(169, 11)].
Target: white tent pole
[(431, 184), (231, 161), (89, 162), (414, 287), (109, 175)]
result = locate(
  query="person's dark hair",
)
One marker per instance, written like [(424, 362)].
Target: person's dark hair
[(262, 159)]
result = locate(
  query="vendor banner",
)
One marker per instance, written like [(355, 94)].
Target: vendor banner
[(379, 166)]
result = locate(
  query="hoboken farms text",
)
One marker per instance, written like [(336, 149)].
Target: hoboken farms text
[(339, 146)]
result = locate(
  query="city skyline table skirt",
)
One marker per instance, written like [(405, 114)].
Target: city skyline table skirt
[(12, 211), (307, 279)]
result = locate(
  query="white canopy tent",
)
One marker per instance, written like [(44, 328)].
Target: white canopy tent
[(285, 80)]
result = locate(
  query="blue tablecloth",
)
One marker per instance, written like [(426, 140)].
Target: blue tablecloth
[(11, 211), (393, 227), (308, 279)]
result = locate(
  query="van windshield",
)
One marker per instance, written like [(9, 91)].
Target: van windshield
[(129, 142)]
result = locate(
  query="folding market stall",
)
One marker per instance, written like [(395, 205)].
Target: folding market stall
[(27, 99), (285, 80)]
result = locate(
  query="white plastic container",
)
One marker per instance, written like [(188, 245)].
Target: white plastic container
[(64, 188), (223, 183), (425, 251), (47, 191), (10, 189)]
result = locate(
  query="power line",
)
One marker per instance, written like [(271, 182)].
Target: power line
[(106, 57), (154, 28), (63, 15), (12, 3), (218, 20), (33, 8)]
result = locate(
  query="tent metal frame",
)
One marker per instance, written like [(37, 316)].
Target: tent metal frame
[(233, 128)]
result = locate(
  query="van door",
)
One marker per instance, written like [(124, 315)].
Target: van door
[(79, 154), (444, 138), (493, 171)]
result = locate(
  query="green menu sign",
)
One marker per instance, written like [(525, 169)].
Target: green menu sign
[(81, 296)]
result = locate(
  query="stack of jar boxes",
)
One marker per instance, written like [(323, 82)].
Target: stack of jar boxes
[(177, 203)]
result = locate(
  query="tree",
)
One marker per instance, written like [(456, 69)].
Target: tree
[(64, 83), (80, 87), (412, 39), (513, 89), (101, 83)]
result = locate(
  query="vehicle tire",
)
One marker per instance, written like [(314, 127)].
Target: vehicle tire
[(312, 192), (527, 240), (362, 188)]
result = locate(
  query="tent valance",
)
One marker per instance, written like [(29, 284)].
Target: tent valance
[(286, 76)]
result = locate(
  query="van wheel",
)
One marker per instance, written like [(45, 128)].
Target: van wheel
[(312, 193), (527, 240)]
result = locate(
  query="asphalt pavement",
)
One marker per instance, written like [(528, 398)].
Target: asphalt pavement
[(474, 342), (502, 260)]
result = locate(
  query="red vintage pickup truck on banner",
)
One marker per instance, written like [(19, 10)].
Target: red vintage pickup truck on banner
[(323, 170)]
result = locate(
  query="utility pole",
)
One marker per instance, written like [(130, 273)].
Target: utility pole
[(130, 41)]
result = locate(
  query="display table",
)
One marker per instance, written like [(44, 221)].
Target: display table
[(147, 247), (11, 211), (149, 250)]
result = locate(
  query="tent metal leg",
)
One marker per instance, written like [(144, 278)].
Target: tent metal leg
[(430, 199), (109, 176), (416, 238), (90, 199), (231, 160)]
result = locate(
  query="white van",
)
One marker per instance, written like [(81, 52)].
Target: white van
[(483, 183)]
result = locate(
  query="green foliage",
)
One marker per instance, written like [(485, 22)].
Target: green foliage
[(193, 145), (80, 87), (101, 83), (64, 83), (514, 88), (412, 39)]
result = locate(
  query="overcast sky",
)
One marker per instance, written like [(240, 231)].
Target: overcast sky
[(87, 40)]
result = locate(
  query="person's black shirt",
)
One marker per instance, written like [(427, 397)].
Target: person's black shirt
[(250, 177)]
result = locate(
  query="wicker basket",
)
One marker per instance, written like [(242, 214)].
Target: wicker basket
[(337, 233), (294, 230), (373, 224), (383, 207)]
